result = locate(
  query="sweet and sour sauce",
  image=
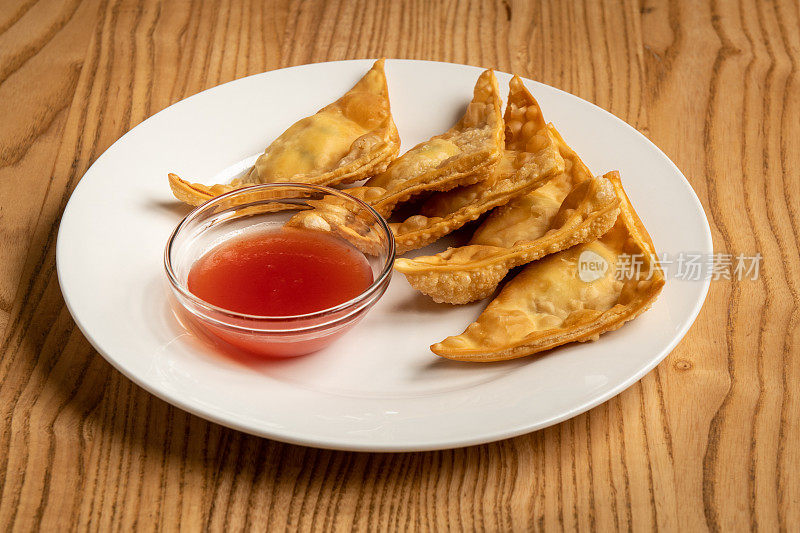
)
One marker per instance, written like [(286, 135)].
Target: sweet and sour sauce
[(282, 272)]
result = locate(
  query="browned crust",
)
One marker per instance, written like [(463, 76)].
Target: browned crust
[(609, 320)]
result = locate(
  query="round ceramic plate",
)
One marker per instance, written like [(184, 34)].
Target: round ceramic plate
[(379, 388)]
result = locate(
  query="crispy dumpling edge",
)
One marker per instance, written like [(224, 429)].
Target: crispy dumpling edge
[(447, 283), (423, 229), (467, 167), (473, 166), (609, 320)]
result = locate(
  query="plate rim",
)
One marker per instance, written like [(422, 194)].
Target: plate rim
[(282, 435)]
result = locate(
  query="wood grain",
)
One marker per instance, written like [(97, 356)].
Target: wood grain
[(708, 440)]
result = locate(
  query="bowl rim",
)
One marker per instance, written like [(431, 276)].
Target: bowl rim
[(376, 286)]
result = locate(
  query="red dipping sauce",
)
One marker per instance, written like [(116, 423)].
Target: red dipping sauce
[(280, 273)]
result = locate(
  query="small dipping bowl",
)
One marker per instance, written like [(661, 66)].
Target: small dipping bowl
[(263, 208)]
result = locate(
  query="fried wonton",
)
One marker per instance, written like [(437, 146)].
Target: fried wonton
[(561, 298), (467, 153), (349, 140), (530, 158), (570, 209)]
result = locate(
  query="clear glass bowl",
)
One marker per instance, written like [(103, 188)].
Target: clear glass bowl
[(266, 207)]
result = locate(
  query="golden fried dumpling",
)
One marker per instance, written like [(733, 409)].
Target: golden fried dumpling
[(570, 209), (349, 140), (559, 299), (530, 158), (467, 153)]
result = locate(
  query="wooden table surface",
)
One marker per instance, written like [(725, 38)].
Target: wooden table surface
[(710, 439)]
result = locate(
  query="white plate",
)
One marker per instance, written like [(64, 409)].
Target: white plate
[(379, 388)]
